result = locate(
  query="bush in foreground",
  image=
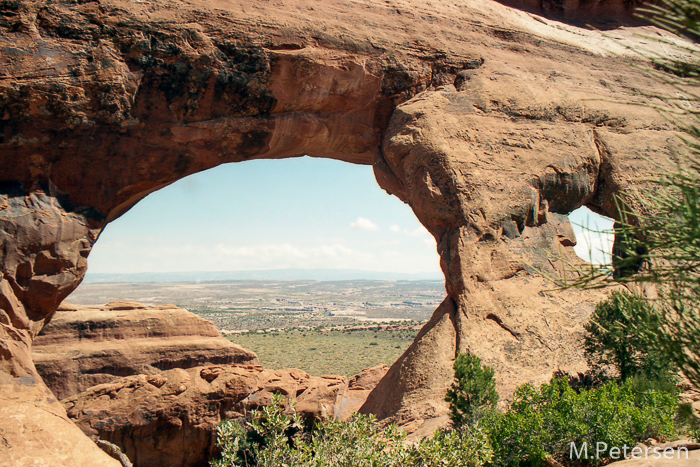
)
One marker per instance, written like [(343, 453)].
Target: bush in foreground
[(542, 423), (611, 344), (274, 438), (473, 394), (538, 428)]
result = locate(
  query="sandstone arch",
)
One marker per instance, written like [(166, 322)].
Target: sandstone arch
[(477, 115)]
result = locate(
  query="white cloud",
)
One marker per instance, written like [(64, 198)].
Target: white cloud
[(168, 255), (418, 232), (364, 224)]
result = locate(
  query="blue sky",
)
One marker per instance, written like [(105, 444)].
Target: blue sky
[(274, 214), (594, 235), (268, 214)]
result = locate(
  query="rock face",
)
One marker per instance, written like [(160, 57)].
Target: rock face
[(36, 432), (86, 346), (359, 388), (156, 381), (169, 419), (599, 13), (475, 162), (491, 123)]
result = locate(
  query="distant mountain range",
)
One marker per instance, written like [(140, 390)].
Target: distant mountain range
[(267, 274)]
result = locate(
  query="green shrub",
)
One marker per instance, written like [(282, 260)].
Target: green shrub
[(274, 438), (611, 343), (357, 442), (473, 394), (269, 434), (468, 447), (540, 426), (687, 422), (542, 423)]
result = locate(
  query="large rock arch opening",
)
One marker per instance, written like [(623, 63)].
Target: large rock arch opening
[(289, 214), (478, 116)]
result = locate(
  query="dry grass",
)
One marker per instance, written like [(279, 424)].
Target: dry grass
[(327, 352)]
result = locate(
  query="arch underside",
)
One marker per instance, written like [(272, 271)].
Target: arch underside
[(491, 133)]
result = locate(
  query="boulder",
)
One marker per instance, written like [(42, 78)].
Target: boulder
[(169, 419), (359, 388)]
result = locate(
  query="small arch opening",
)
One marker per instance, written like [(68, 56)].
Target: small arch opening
[(595, 235)]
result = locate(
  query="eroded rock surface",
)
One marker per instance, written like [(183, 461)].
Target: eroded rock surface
[(35, 430), (359, 388), (601, 14), (489, 167), (156, 381), (169, 419), (86, 346), (488, 121)]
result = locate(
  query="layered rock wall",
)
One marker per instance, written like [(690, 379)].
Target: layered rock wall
[(86, 346), (156, 381)]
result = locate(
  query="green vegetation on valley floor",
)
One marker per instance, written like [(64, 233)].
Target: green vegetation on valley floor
[(330, 351), (321, 327)]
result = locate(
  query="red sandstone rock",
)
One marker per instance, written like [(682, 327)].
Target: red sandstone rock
[(184, 378), (359, 388), (170, 419), (368, 378), (36, 432), (600, 13), (85, 346), (497, 221)]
